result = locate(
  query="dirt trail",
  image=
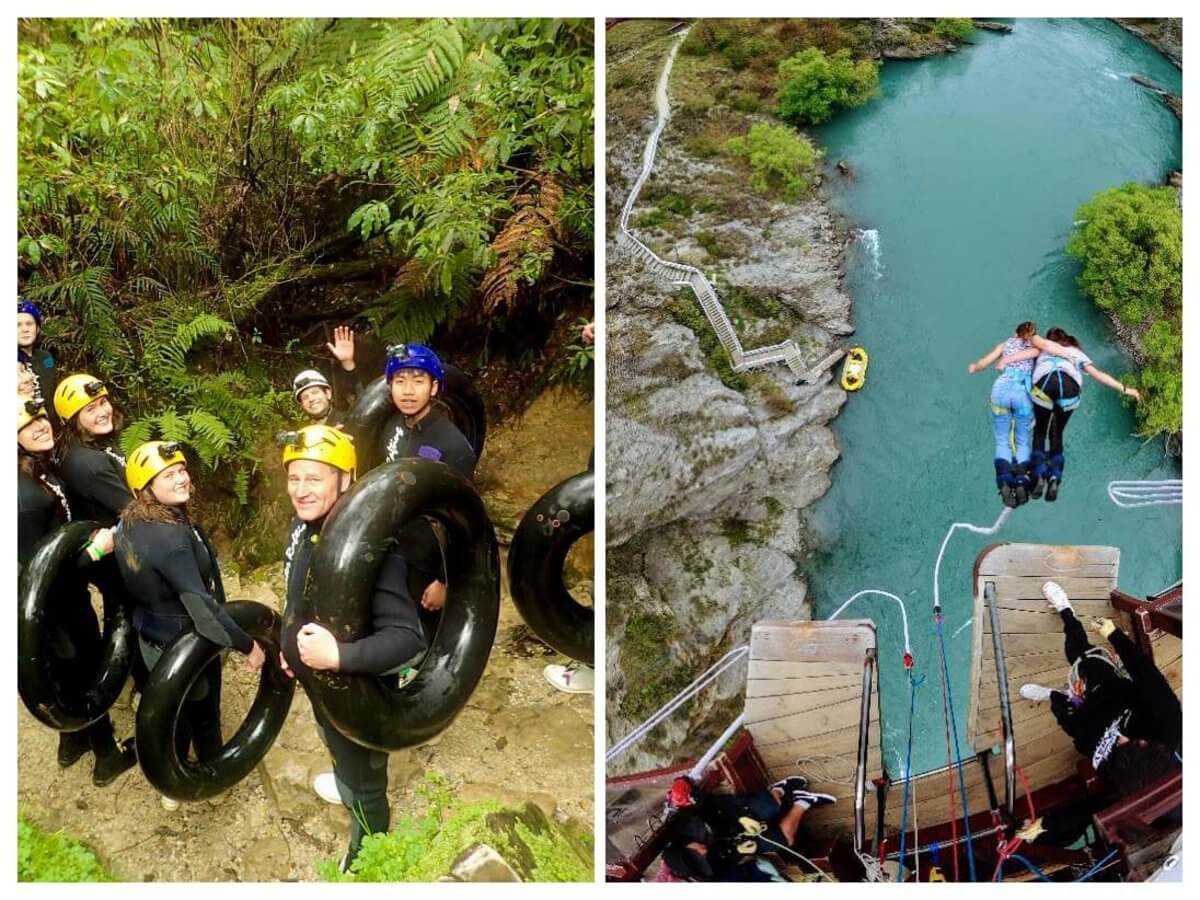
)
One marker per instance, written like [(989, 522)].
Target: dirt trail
[(517, 739)]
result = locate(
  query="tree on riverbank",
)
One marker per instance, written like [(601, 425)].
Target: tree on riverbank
[(1130, 241), (816, 85), (198, 198)]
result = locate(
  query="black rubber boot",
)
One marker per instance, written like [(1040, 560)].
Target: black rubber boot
[(72, 746), (114, 762), (1005, 483), (1022, 483), (1037, 474), (1051, 490)]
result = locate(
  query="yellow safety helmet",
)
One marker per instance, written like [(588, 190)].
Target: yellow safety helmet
[(149, 459), (28, 410), (320, 443), (75, 392)]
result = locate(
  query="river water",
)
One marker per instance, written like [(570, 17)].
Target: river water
[(968, 171)]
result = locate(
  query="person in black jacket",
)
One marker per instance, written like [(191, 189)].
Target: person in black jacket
[(320, 462), (41, 508), (415, 375), (171, 572), (313, 391), (37, 360)]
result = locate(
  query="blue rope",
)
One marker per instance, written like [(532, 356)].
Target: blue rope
[(1030, 866), (1097, 867), (912, 709), (962, 783)]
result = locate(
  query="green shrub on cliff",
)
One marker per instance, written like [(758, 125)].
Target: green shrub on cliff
[(1130, 241), (954, 29), (782, 162), (816, 85)]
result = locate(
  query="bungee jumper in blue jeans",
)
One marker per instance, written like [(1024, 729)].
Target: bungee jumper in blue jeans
[(1056, 393), (1012, 412)]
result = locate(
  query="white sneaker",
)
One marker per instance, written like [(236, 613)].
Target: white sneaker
[(168, 804), (1036, 692), (325, 785), (575, 678), (1056, 596)]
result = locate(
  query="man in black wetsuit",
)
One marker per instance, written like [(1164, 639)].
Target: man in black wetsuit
[(316, 395), (320, 463), (415, 376)]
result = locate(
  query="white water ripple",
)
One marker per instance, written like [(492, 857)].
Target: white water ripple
[(868, 238)]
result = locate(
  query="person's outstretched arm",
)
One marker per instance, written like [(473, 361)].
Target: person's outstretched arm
[(984, 361), (1045, 345), (1107, 380)]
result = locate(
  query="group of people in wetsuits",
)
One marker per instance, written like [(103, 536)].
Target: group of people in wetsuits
[(1039, 386), (150, 551)]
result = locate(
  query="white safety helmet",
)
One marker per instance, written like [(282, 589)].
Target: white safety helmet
[(309, 378)]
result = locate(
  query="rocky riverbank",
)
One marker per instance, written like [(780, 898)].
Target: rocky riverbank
[(709, 469), (1164, 35)]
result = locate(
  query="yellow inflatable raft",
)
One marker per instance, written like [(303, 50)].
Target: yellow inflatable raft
[(854, 369)]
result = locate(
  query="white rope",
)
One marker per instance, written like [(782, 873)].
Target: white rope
[(818, 768), (708, 676), (966, 526), (1133, 494), (899, 602)]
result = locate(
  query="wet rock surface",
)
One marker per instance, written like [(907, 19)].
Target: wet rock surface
[(518, 740)]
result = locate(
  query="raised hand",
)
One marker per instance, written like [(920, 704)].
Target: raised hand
[(342, 347)]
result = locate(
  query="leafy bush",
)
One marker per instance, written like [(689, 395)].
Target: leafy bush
[(52, 856), (781, 161), (1130, 241), (420, 848), (954, 29), (815, 85)]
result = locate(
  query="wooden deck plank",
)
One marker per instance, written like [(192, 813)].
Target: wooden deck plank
[(761, 669), (1047, 561), (837, 642), (1085, 590), (778, 687)]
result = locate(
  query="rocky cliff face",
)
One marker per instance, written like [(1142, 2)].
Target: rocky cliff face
[(1165, 35), (708, 470)]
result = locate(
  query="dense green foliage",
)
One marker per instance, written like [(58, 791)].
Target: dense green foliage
[(954, 29), (421, 848), (782, 162), (1130, 241), (196, 197), (52, 856), (815, 85)]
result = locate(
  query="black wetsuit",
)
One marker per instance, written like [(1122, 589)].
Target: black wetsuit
[(172, 575), (41, 508), (396, 638), (41, 364), (435, 438), (722, 811), (96, 488)]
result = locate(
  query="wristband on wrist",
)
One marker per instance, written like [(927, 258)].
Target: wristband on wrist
[(93, 551)]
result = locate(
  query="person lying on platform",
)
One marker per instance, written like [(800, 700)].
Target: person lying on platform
[(321, 463), (316, 395), (744, 826), (172, 574), (75, 636), (1106, 705)]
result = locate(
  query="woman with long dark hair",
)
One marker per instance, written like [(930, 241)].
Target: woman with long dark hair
[(1056, 392), (42, 507), (171, 571)]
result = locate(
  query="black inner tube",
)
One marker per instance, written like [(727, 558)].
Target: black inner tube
[(48, 584), (458, 398), (342, 575), (539, 548), (181, 664)]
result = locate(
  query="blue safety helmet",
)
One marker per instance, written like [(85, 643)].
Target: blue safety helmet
[(414, 356), (28, 306)]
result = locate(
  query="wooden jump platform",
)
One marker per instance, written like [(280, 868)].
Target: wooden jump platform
[(804, 692)]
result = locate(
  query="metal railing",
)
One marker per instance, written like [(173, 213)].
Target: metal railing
[(1010, 749), (860, 772)]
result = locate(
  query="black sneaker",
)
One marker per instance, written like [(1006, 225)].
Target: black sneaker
[(72, 747), (791, 783), (1039, 485), (1022, 495), (114, 763), (1051, 490), (1009, 495), (812, 798)]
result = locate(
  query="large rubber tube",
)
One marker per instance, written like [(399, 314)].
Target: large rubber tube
[(459, 398), (539, 548), (181, 663), (49, 574), (342, 575)]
